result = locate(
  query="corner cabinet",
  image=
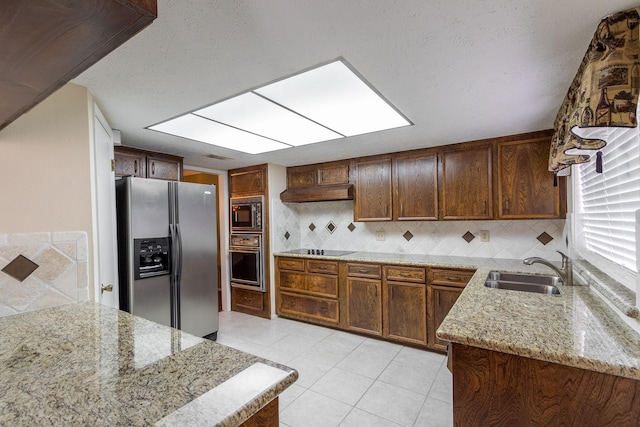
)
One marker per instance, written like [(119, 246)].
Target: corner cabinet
[(466, 189), (525, 186), (373, 198)]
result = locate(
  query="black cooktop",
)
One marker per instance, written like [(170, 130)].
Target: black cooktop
[(326, 252)]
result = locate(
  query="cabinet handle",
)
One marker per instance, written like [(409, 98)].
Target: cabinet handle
[(484, 207), (506, 209), (386, 209), (363, 270), (453, 278), (438, 299), (401, 209), (322, 267), (153, 168), (404, 274), (391, 291), (375, 294), (323, 309), (135, 166)]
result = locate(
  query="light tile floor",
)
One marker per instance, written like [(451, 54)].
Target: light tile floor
[(346, 379)]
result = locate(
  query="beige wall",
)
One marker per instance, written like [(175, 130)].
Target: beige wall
[(45, 178)]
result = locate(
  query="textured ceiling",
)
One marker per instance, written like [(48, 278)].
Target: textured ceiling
[(459, 70)]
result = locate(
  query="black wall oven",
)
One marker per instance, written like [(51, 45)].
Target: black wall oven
[(246, 214), (247, 262)]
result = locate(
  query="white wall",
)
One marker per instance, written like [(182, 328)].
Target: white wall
[(45, 178)]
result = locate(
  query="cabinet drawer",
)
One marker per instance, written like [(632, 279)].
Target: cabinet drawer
[(291, 264), (325, 267), (311, 307), (458, 278), (405, 274), (248, 299), (372, 271), (318, 284)]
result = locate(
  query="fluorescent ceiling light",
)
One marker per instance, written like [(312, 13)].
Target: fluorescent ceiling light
[(325, 103)]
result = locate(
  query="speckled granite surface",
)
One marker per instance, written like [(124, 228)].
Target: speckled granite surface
[(576, 328), (86, 364)]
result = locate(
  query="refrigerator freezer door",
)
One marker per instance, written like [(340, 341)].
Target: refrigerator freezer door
[(198, 254), (149, 212)]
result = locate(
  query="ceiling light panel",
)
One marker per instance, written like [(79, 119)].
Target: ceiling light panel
[(260, 116), (334, 96), (204, 130)]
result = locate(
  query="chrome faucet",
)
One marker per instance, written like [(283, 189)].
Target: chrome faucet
[(565, 272)]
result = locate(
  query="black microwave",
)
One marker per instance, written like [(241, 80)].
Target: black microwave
[(246, 214)]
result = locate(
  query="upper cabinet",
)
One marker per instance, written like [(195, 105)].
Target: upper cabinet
[(249, 181), (146, 164), (466, 182), (47, 43), (525, 187), (373, 198), (415, 186), (319, 182)]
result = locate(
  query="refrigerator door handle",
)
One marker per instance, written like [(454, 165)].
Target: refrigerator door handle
[(178, 274)]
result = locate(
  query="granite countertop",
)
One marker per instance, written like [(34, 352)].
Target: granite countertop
[(576, 328), (87, 364)]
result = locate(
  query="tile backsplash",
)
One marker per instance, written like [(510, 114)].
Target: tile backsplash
[(62, 275), (334, 228)]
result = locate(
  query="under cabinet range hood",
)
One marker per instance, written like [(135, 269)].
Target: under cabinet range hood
[(324, 193)]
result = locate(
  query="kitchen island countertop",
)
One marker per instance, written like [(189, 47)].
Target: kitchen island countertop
[(577, 328), (87, 364)]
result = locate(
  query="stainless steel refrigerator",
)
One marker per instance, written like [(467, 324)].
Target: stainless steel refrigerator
[(167, 253)]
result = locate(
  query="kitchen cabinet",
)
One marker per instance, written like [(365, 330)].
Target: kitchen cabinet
[(247, 301), (364, 298), (445, 286), (405, 306), (45, 44), (373, 198), (145, 164), (525, 186), (249, 181), (318, 182), (415, 187), (307, 289), (494, 388), (466, 182)]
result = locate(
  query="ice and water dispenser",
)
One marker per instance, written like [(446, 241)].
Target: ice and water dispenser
[(152, 257)]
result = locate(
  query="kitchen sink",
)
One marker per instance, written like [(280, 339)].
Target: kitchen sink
[(535, 283)]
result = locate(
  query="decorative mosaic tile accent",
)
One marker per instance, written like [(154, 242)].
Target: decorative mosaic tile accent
[(407, 235), (468, 236), (312, 226), (331, 227), (287, 235), (61, 276), (544, 238), (20, 268), (351, 227)]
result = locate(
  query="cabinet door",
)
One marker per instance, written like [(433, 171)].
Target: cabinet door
[(525, 185), (164, 168), (248, 182), (130, 163), (466, 183), (373, 191), (416, 187), (406, 312), (364, 305), (332, 174), (442, 299)]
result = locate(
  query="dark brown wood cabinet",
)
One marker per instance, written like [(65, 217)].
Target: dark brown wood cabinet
[(405, 306), (445, 286), (491, 388), (525, 186), (45, 44), (415, 187), (373, 198), (364, 298), (466, 182), (146, 164), (307, 289), (250, 181)]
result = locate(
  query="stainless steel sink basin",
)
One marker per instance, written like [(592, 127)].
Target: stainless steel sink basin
[(524, 282)]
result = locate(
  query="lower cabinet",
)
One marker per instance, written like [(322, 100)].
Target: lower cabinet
[(445, 286), (307, 289), (364, 298), (400, 303), (246, 301)]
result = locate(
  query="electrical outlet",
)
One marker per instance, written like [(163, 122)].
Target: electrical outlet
[(380, 235), (484, 235)]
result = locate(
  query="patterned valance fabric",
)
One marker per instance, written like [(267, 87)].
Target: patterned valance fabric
[(604, 92)]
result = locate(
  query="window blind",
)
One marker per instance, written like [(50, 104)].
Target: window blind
[(607, 201)]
